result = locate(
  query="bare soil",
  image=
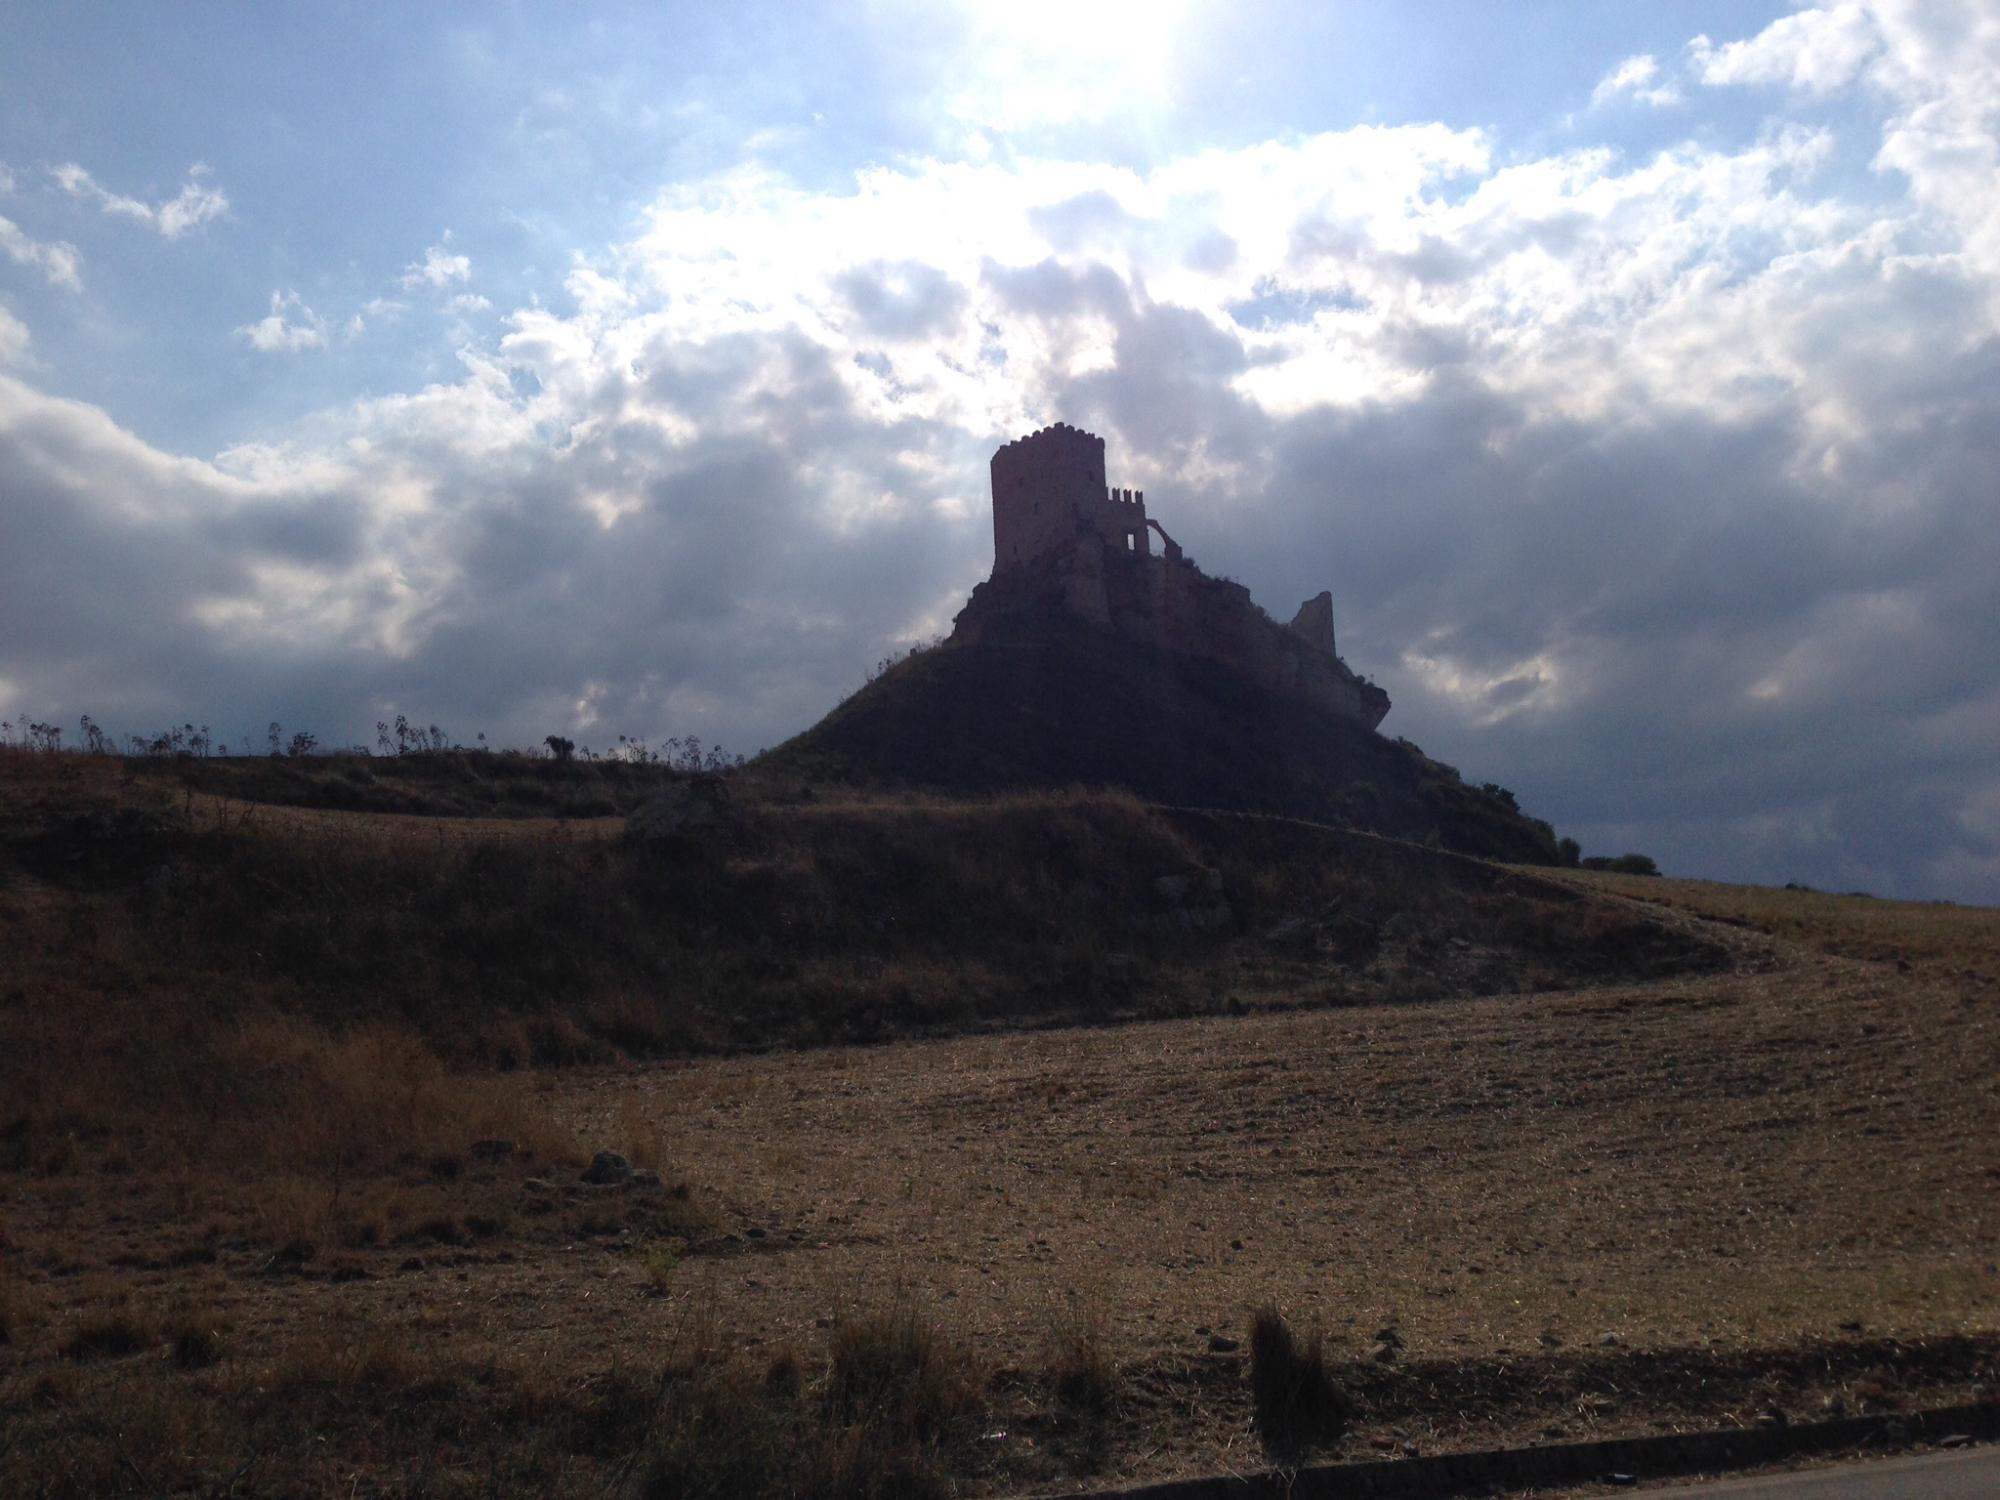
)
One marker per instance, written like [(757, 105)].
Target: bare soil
[(1769, 1193)]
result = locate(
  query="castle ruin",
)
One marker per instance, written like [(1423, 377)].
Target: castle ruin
[(1063, 537)]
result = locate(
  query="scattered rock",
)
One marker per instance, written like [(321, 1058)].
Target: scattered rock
[(1409, 1448), (1956, 1440), (1608, 1341), (1221, 1343), (1852, 1325), (607, 1167), (1382, 1353)]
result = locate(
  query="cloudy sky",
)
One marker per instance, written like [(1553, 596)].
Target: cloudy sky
[(1629, 373)]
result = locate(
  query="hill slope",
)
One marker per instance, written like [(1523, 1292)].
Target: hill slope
[(1034, 700)]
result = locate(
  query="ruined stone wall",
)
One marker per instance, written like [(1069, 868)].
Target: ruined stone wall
[(1062, 540)]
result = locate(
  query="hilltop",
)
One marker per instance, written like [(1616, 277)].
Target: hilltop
[(1037, 700), (1089, 660)]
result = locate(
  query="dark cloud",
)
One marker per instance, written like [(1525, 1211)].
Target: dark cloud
[(903, 301)]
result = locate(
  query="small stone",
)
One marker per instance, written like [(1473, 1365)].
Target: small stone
[(1382, 1354), (1608, 1341), (1956, 1440), (643, 1179), (1222, 1343), (1852, 1325), (1382, 1444), (607, 1167), (753, 1233), (1409, 1449), (1236, 1244)]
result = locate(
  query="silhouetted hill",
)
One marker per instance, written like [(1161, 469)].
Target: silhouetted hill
[(1046, 700)]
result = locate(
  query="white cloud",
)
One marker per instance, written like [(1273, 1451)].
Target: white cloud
[(1635, 76), (1936, 63), (438, 268), (13, 338), (289, 327), (195, 204), (469, 302), (1815, 51), (6, 180), (58, 261)]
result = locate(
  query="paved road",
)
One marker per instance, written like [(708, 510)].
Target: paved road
[(1973, 1474)]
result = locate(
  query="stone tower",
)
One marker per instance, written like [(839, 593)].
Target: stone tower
[(1049, 494)]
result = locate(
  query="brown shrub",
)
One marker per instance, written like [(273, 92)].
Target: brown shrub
[(1081, 1373), (1296, 1402), (109, 1334), (895, 1370)]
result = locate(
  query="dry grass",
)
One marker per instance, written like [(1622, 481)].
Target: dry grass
[(1959, 938), (1296, 1403), (258, 1232)]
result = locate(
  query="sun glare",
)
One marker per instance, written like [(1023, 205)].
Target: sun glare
[(1048, 61)]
